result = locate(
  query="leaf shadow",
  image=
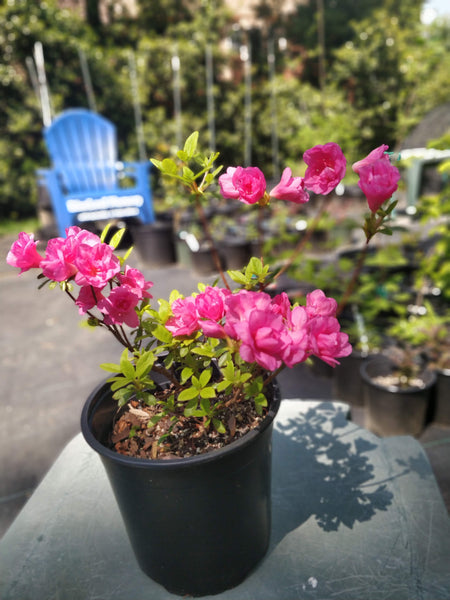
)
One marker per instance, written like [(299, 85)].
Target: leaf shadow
[(321, 469)]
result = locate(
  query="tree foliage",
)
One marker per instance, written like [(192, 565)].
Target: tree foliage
[(384, 72)]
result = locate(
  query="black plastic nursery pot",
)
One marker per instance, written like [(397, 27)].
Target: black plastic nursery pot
[(198, 525), (235, 252), (441, 412), (346, 379), (155, 242), (394, 410)]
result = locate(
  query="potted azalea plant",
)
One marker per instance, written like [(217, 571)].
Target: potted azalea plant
[(183, 423)]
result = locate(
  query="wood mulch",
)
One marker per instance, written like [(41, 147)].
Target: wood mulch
[(132, 435)]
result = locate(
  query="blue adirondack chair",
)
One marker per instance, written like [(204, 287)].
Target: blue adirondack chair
[(87, 183)]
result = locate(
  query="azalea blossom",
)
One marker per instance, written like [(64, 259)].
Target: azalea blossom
[(23, 253), (120, 306), (297, 335), (59, 261), (240, 305), (290, 188), (371, 158), (88, 298), (185, 319), (136, 281), (96, 265), (317, 304), (326, 167), (227, 187), (246, 183), (262, 336), (327, 342), (378, 179)]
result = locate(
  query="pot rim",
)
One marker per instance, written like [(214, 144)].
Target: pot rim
[(429, 374), (95, 398)]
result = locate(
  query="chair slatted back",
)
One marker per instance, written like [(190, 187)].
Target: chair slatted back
[(83, 148)]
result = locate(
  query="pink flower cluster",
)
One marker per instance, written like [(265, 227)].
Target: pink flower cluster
[(326, 167), (83, 258), (270, 331)]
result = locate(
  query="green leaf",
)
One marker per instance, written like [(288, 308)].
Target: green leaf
[(188, 394), (190, 145), (190, 409), (188, 174), (144, 363), (182, 155), (205, 376), (157, 163), (127, 253), (223, 385), (219, 426), (117, 385), (186, 373), (162, 334), (126, 367), (111, 367), (238, 277), (105, 232), (254, 267), (205, 405), (117, 238), (208, 392), (169, 167)]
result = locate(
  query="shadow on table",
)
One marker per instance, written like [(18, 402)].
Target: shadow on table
[(322, 467)]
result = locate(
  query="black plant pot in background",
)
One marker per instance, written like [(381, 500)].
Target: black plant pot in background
[(154, 242), (346, 379), (197, 525), (202, 261), (394, 410), (235, 252), (441, 399)]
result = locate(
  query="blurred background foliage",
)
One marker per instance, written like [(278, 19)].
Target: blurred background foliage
[(378, 73)]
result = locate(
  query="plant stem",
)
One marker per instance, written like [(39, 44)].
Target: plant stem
[(207, 232), (122, 339), (353, 281), (304, 239)]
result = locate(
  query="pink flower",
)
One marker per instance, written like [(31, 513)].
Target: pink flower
[(96, 265), (59, 261), (262, 339), (327, 342), (88, 298), (297, 337), (281, 305), (378, 180), (240, 305), (317, 304), (23, 253), (120, 306), (185, 319), (370, 158), (226, 184), (83, 236), (248, 184), (290, 188), (210, 306), (326, 167), (136, 281)]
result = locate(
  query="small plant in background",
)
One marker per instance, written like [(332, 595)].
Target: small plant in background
[(427, 332), (196, 372)]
